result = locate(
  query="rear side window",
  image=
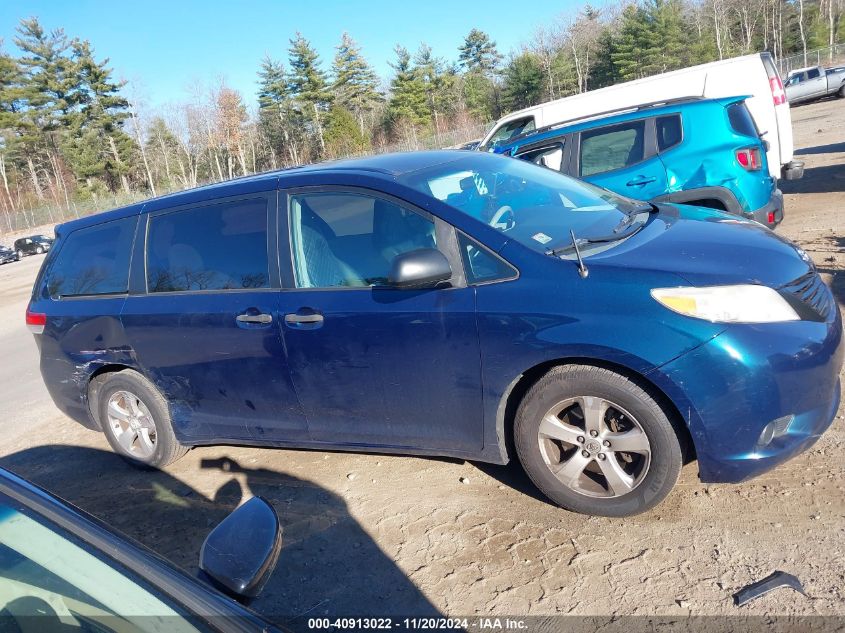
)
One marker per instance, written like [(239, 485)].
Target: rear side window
[(612, 148), (813, 73), (219, 247), (550, 156), (669, 131), (93, 261), (741, 121)]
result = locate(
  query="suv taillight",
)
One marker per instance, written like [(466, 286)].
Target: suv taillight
[(749, 158), (35, 321), (778, 93)]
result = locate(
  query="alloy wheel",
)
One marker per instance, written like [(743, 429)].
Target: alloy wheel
[(594, 447), (132, 424)]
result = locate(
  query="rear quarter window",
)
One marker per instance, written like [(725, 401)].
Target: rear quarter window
[(741, 121), (93, 261), (669, 131)]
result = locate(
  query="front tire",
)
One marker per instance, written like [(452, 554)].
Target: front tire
[(595, 442), (136, 420), (39, 249)]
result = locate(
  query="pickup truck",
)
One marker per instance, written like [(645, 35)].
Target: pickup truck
[(807, 84)]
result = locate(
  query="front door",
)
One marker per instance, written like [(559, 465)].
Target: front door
[(374, 365), (205, 331), (622, 158)]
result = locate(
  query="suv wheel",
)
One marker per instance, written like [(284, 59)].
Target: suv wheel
[(39, 249), (595, 442), (136, 420), (19, 253)]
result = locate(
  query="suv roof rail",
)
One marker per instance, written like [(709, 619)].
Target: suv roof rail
[(599, 115)]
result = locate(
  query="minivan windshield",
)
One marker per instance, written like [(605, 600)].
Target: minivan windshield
[(534, 205)]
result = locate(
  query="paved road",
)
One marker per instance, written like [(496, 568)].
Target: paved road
[(371, 534)]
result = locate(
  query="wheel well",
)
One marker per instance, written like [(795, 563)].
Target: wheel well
[(531, 376), (94, 383), (710, 203)]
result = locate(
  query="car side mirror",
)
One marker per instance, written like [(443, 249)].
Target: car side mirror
[(239, 555), (419, 268)]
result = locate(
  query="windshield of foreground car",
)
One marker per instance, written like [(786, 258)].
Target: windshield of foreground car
[(534, 205)]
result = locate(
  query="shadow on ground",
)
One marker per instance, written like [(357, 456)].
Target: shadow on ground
[(328, 564), (823, 179), (821, 149)]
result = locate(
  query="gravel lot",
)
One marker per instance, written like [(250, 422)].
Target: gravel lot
[(382, 535)]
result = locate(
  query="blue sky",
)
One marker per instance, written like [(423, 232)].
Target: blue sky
[(169, 47)]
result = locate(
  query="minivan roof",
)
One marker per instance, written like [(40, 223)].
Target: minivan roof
[(381, 165)]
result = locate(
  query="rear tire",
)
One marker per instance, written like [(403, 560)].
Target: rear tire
[(595, 442), (841, 93), (19, 254), (136, 420)]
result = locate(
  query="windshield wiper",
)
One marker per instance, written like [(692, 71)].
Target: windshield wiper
[(631, 215)]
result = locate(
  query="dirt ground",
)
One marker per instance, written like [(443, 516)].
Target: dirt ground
[(382, 535)]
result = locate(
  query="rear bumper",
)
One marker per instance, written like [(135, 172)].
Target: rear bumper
[(793, 170), (770, 214), (750, 376)]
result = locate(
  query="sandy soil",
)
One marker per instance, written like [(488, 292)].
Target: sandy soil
[(378, 535)]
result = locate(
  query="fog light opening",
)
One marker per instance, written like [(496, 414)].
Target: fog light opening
[(773, 430)]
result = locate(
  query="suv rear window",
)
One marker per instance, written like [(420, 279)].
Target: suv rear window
[(741, 121), (93, 261), (669, 131), (220, 247), (612, 148)]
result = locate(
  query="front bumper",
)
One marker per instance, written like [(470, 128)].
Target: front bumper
[(793, 170), (770, 214), (748, 377)]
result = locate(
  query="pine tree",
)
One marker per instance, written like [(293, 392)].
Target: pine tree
[(440, 85), (478, 53), (523, 82), (355, 84), (308, 85), (280, 123), (343, 136), (97, 145), (407, 107)]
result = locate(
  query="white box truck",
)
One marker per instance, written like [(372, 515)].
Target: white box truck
[(752, 75)]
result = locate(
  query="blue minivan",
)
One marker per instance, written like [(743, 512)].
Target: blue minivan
[(703, 152), (443, 303)]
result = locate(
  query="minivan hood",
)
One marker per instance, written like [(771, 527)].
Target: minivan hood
[(708, 247)]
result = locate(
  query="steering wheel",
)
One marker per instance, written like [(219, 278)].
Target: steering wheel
[(503, 219)]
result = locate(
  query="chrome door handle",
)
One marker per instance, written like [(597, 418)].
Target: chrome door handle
[(254, 318), (293, 318)]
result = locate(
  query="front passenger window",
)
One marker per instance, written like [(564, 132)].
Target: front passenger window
[(348, 240), (612, 148)]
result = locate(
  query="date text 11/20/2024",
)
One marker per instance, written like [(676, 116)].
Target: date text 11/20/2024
[(430, 624)]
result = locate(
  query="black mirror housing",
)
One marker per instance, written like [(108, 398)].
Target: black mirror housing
[(419, 268), (239, 555)]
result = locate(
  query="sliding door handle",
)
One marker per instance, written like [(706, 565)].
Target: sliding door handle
[(295, 318)]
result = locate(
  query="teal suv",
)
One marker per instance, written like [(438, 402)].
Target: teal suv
[(705, 152)]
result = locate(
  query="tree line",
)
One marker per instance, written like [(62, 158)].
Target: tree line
[(72, 141)]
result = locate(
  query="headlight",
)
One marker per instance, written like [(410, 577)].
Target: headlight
[(728, 304)]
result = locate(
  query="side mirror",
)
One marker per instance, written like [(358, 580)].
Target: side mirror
[(419, 268), (239, 555)]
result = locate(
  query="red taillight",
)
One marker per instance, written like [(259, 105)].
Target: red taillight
[(749, 158), (35, 321), (778, 93), (771, 217)]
